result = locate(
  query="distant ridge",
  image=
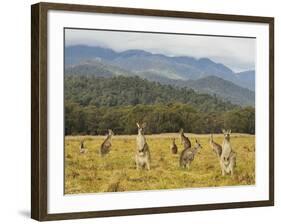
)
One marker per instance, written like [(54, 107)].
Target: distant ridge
[(202, 75), (181, 67)]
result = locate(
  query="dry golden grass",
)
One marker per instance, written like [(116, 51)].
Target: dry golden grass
[(88, 173)]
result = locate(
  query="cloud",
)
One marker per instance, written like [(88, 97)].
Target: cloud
[(236, 53)]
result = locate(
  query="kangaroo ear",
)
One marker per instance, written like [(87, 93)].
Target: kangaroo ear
[(223, 131), (138, 125), (144, 125), (229, 131)]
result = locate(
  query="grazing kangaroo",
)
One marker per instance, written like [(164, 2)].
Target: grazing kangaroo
[(173, 147), (187, 155), (82, 147), (228, 157), (184, 140), (142, 152), (215, 146), (106, 145)]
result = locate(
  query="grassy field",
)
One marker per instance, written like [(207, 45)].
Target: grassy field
[(88, 173)]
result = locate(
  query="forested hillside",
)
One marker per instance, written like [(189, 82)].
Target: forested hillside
[(94, 104), (212, 85), (123, 91), (223, 88)]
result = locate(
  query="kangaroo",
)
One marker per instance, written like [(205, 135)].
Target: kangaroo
[(215, 146), (142, 152), (106, 145), (82, 147), (228, 157), (173, 147), (187, 155), (184, 140)]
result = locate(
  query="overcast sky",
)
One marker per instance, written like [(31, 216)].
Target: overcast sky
[(236, 53)]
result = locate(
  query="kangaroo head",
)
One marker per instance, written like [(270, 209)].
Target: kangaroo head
[(181, 131), (141, 128), (197, 144), (110, 132), (226, 134)]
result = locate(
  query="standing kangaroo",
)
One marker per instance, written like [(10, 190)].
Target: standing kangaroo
[(187, 155), (82, 147), (228, 157), (142, 152), (215, 146), (184, 140), (173, 147), (106, 145)]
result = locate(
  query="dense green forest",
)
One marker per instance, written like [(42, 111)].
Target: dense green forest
[(95, 104), (124, 91)]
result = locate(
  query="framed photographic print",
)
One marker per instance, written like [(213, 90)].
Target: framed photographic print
[(139, 111)]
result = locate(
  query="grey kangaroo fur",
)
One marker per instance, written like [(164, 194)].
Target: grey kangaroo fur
[(188, 155), (142, 156), (184, 140), (173, 147), (215, 146), (106, 145), (228, 157)]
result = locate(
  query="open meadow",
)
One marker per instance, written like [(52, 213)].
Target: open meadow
[(115, 172)]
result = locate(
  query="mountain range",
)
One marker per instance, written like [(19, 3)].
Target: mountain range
[(202, 75)]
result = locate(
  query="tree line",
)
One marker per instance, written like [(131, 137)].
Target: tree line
[(160, 118)]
